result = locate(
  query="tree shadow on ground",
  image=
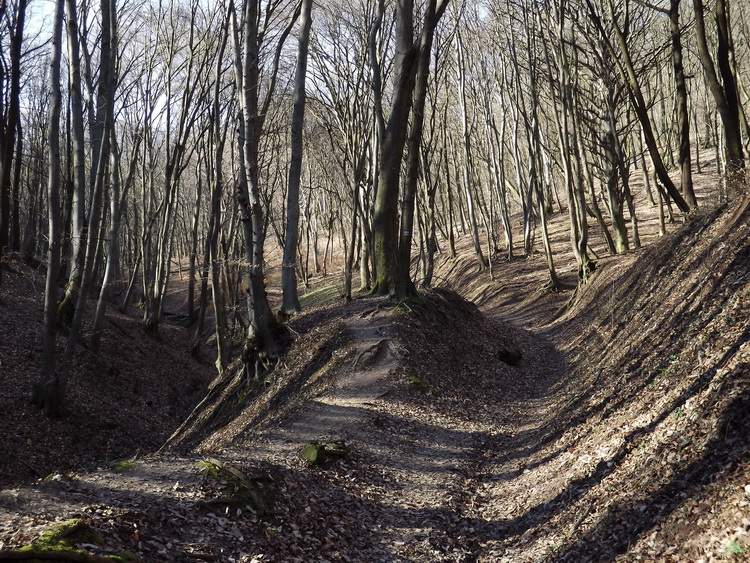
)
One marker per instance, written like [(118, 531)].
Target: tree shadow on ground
[(626, 522)]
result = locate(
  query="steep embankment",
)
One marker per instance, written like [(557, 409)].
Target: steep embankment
[(662, 364), (642, 450), (127, 400)]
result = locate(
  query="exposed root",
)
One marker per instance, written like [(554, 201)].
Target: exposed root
[(374, 349)]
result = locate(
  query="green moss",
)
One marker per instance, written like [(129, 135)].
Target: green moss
[(733, 549), (124, 556), (242, 489), (208, 468), (123, 466), (64, 537), (316, 453), (415, 380), (67, 534), (313, 453)]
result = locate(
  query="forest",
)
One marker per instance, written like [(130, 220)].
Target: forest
[(209, 131), (576, 168)]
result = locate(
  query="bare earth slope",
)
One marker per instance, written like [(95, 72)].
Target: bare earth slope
[(129, 402), (622, 434)]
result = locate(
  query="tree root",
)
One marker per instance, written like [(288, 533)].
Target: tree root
[(54, 556), (375, 348), (375, 310)]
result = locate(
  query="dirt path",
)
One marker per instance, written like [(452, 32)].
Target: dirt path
[(420, 413)]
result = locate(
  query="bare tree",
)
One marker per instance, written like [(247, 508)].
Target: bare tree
[(290, 302), (10, 113), (624, 64), (50, 389), (725, 96), (261, 346), (390, 280)]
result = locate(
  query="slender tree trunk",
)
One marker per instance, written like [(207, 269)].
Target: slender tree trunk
[(261, 346), (50, 389), (105, 102), (10, 120), (78, 212), (683, 120), (113, 257), (290, 299), (16, 192), (193, 249)]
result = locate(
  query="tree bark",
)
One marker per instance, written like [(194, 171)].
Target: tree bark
[(10, 127), (290, 299), (50, 389), (683, 119), (78, 209), (404, 284), (726, 96), (385, 220)]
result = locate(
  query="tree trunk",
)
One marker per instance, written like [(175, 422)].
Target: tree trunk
[(113, 257), (468, 168), (725, 96), (78, 211), (290, 299), (385, 221), (50, 389), (261, 346), (404, 284), (10, 120), (683, 120)]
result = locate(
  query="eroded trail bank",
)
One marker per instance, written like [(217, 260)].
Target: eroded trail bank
[(420, 395)]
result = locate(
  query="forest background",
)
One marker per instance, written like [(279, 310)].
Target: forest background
[(141, 138)]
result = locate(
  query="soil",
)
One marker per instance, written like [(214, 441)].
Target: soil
[(520, 427)]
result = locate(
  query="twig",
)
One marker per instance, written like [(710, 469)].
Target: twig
[(34, 469)]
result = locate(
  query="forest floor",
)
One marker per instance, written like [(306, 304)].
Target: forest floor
[(513, 429)]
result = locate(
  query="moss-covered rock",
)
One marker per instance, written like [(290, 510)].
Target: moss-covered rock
[(316, 453), (59, 544)]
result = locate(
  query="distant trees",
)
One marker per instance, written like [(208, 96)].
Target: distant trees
[(423, 123), (12, 24)]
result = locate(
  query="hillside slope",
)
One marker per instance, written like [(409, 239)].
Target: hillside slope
[(126, 401), (621, 434), (641, 452)]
